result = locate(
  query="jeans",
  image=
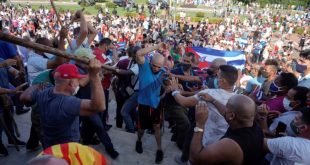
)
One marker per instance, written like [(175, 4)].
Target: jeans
[(95, 123), (127, 109)]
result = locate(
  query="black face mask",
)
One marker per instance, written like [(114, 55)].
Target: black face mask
[(300, 68), (210, 72), (265, 74), (186, 66)]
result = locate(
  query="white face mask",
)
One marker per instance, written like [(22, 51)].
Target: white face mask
[(286, 104), (76, 90), (48, 55)]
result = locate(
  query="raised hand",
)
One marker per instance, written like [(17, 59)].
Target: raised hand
[(202, 113), (9, 62)]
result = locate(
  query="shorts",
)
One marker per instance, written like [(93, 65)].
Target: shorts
[(148, 116)]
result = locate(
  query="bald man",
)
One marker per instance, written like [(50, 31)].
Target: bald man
[(150, 80), (242, 142)]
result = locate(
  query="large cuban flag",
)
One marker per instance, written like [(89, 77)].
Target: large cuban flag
[(207, 55)]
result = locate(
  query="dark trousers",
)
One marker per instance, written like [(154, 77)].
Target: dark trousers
[(189, 135), (36, 133), (93, 124), (6, 117), (119, 118), (105, 114), (178, 115)]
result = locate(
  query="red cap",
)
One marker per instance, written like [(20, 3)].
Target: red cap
[(69, 71)]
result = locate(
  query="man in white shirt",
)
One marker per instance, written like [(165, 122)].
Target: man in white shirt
[(216, 125), (292, 150), (39, 61)]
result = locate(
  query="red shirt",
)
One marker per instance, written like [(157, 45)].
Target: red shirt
[(100, 55)]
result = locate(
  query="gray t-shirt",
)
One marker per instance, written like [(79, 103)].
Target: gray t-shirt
[(59, 115)]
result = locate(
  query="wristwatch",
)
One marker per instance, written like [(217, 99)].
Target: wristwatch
[(197, 129)]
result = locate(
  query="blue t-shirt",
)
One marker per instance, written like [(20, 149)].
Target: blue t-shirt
[(258, 81), (185, 84), (59, 115), (7, 50), (149, 85)]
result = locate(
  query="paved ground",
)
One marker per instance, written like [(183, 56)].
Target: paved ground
[(124, 143)]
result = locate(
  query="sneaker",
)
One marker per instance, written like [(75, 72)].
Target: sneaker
[(22, 110), (179, 161), (93, 141), (3, 150), (31, 146), (107, 127), (18, 142), (159, 156), (139, 148), (114, 154)]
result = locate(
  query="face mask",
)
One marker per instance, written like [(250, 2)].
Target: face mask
[(210, 72), (300, 68), (186, 66), (216, 83), (286, 104), (76, 90), (48, 55), (274, 88), (265, 74)]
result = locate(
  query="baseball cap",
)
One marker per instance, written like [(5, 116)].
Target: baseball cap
[(84, 52), (69, 71)]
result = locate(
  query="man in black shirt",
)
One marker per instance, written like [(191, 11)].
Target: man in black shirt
[(243, 140)]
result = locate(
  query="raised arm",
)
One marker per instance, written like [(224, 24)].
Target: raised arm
[(83, 27), (92, 32), (51, 64), (208, 98), (225, 150), (187, 78), (97, 101), (142, 52)]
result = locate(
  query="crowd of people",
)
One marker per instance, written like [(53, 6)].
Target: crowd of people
[(259, 114)]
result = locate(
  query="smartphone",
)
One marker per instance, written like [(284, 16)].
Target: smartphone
[(281, 128)]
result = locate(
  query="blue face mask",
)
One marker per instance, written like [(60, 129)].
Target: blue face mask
[(300, 68), (274, 88), (216, 83)]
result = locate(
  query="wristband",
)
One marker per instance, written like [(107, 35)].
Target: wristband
[(175, 93)]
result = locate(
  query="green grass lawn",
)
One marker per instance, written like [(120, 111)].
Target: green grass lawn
[(92, 10)]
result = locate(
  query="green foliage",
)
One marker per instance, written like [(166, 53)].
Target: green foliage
[(61, 10), (283, 2), (87, 13), (196, 19), (101, 1), (97, 7), (200, 14), (131, 14), (111, 5), (301, 30), (215, 20), (84, 4)]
